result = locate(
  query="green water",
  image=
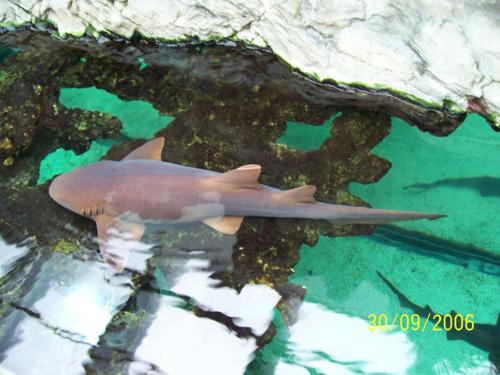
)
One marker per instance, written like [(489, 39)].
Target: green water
[(455, 175), (306, 137)]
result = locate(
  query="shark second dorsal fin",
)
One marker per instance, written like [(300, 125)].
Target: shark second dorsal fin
[(224, 224), (148, 151), (246, 176), (301, 194)]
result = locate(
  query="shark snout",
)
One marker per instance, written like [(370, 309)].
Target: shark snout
[(53, 191), (57, 190)]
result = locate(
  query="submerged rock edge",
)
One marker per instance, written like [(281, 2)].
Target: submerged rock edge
[(408, 49)]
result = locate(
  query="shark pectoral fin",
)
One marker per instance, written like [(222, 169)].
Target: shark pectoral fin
[(130, 231), (116, 238), (301, 194), (148, 151), (103, 223), (246, 176), (225, 224)]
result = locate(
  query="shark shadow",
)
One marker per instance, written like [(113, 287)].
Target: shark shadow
[(484, 336), (486, 186)]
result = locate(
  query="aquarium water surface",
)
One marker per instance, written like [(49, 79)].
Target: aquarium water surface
[(278, 296)]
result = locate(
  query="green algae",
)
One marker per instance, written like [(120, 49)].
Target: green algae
[(128, 319), (7, 79), (65, 247), (306, 137), (139, 118)]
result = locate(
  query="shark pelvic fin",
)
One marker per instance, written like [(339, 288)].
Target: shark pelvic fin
[(148, 151), (301, 194), (246, 176), (224, 224), (116, 239)]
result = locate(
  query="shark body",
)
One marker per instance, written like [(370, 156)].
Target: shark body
[(142, 188)]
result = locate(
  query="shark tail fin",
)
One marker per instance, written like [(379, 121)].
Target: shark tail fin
[(364, 215)]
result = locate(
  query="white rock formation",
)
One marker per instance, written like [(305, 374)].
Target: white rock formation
[(432, 51)]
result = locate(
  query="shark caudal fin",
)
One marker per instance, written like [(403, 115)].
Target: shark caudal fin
[(364, 215)]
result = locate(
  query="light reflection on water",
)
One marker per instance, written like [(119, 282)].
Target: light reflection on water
[(71, 302), (252, 307), (333, 342), (178, 342), (9, 254), (76, 301)]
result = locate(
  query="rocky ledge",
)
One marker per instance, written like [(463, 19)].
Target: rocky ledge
[(444, 55)]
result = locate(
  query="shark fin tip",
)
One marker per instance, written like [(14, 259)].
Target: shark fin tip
[(150, 150), (225, 224), (246, 176)]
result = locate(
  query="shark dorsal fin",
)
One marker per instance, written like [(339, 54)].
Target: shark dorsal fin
[(301, 194), (148, 151), (225, 224), (246, 176)]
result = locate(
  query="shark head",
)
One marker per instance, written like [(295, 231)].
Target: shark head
[(74, 190), (86, 190)]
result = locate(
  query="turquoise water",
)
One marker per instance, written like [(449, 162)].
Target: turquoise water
[(176, 308), (340, 273)]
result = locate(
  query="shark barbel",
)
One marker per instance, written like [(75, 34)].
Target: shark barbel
[(123, 195)]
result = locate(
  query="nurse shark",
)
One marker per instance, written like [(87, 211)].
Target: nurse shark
[(121, 196)]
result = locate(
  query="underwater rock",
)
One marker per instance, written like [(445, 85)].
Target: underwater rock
[(226, 115), (30, 108), (445, 55), (252, 72)]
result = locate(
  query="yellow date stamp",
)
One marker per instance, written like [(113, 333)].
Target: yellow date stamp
[(416, 323)]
